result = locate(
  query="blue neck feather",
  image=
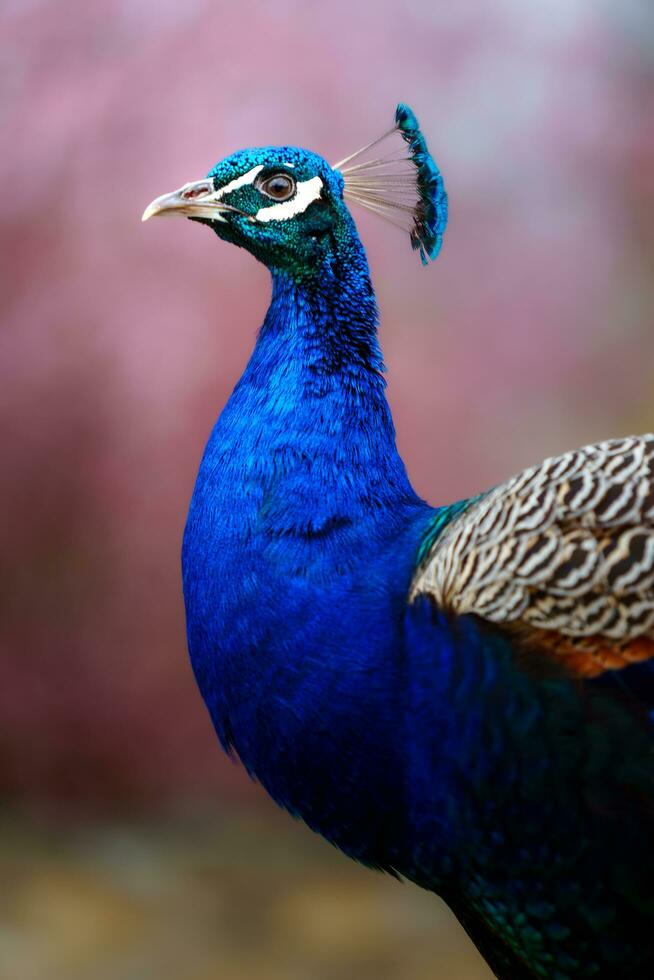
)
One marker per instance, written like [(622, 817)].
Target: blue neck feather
[(308, 423), (298, 553)]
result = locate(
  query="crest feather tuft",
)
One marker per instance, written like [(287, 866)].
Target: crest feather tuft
[(405, 188)]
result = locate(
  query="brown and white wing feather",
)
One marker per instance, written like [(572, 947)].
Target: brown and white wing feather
[(562, 555)]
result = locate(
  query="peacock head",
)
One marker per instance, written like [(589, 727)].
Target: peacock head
[(287, 206)]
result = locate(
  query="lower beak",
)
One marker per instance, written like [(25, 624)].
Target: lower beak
[(199, 199)]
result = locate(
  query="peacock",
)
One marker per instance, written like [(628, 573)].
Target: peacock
[(460, 696)]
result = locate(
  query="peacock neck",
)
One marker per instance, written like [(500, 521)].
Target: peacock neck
[(311, 401), (332, 313), (298, 553)]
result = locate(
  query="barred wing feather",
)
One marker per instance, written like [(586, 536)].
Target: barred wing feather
[(562, 555)]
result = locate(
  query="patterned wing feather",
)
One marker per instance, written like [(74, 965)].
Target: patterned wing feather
[(562, 555)]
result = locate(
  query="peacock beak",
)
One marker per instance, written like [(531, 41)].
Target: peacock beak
[(199, 199)]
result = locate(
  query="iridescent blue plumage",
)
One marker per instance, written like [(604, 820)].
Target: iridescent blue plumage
[(460, 746)]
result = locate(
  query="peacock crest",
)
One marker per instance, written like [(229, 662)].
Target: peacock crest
[(403, 185)]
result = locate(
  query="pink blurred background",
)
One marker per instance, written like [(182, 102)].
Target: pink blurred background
[(120, 342)]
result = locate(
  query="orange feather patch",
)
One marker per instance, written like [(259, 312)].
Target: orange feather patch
[(587, 656)]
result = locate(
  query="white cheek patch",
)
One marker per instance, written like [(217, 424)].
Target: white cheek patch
[(306, 193)]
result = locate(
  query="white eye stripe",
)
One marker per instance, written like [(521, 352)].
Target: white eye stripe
[(306, 193), (242, 181)]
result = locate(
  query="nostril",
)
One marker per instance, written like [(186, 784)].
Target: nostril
[(198, 190)]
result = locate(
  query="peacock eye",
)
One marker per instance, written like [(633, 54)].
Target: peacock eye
[(280, 187)]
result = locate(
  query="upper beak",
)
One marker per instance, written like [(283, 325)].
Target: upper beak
[(199, 199)]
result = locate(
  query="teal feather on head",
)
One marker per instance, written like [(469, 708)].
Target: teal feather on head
[(406, 190), (285, 204), (431, 217)]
